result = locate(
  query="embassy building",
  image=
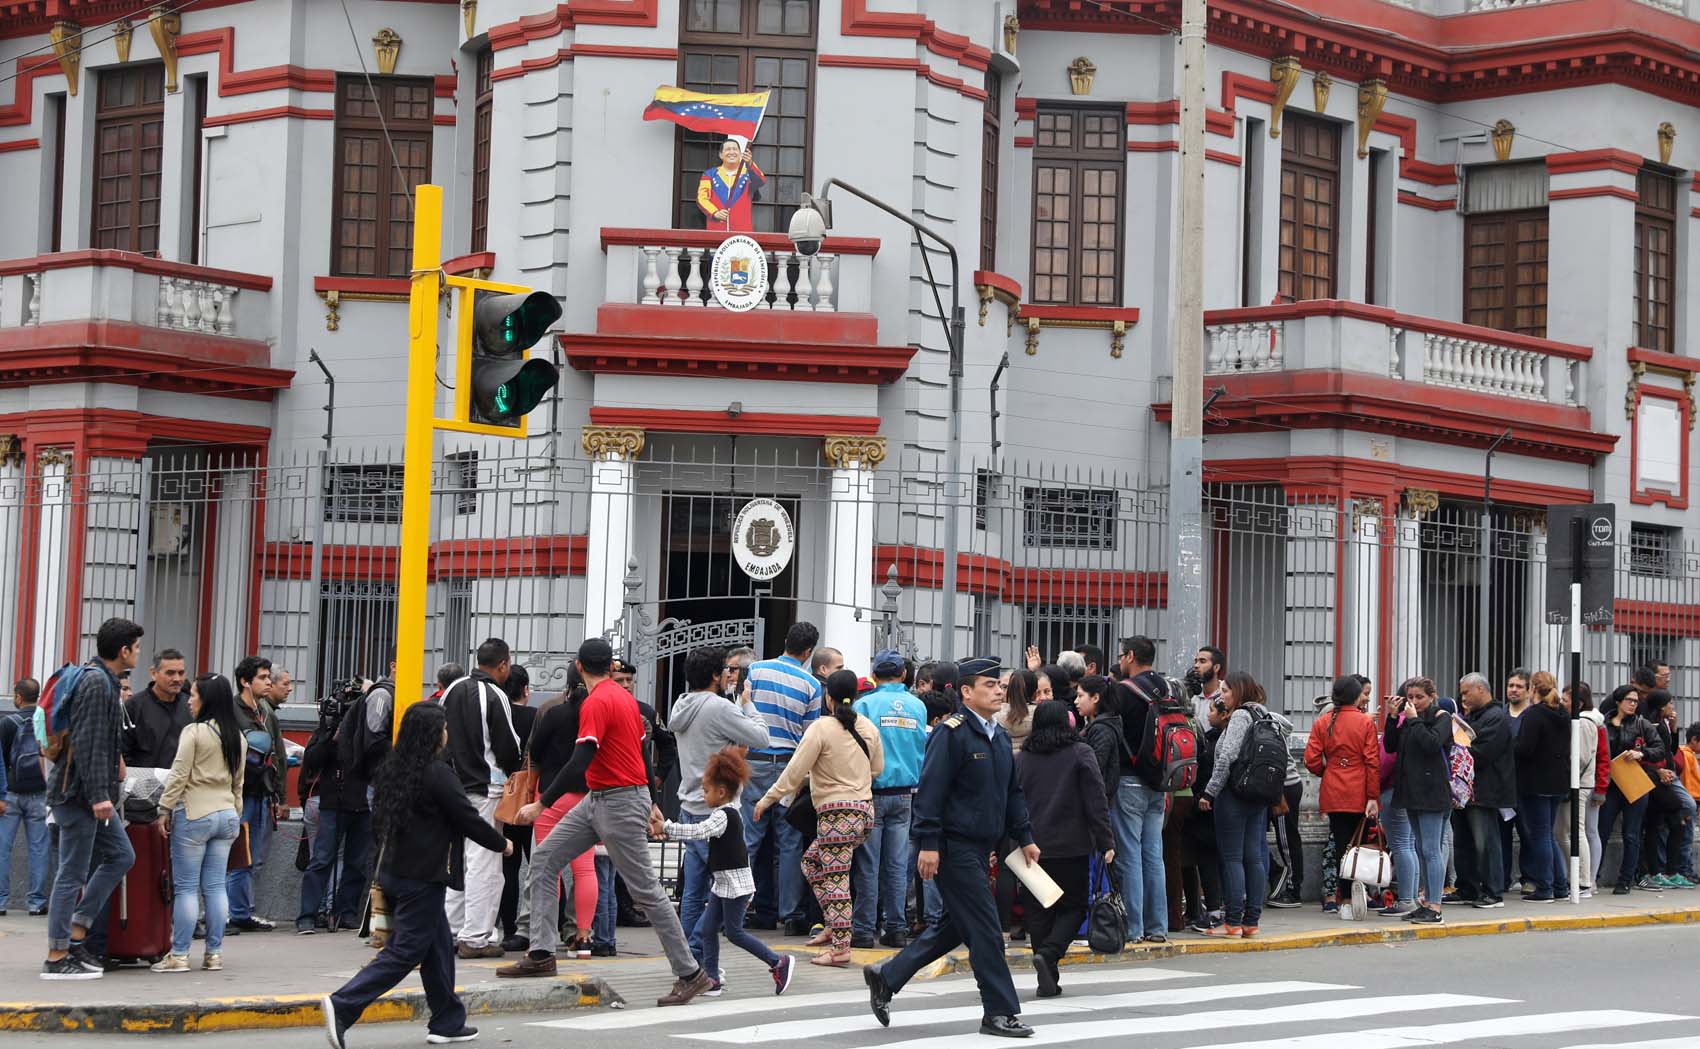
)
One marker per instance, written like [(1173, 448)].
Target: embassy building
[(1445, 240)]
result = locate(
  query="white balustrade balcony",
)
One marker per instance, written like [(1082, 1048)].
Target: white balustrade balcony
[(670, 268), (123, 287)]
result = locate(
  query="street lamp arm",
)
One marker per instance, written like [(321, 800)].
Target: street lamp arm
[(950, 249)]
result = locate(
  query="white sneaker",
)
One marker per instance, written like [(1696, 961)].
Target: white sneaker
[(1585, 894)]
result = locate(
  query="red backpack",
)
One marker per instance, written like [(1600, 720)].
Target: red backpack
[(1168, 748)]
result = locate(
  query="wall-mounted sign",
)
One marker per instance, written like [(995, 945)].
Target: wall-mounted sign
[(763, 539), (739, 276)]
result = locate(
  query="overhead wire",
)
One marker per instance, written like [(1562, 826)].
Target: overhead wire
[(86, 44)]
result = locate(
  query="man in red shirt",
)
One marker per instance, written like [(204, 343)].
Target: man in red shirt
[(619, 812)]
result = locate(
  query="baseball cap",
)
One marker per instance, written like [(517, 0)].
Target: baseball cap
[(888, 662)]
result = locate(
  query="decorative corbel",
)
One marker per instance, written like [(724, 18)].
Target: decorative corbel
[(386, 48), (1632, 395), (1032, 336), (1372, 96), (1117, 333), (609, 442), (11, 450), (1080, 74), (1284, 74), (163, 26), (121, 38), (1504, 133), (67, 40), (1667, 139), (1319, 84), (848, 452), (469, 17), (1011, 26), (54, 457), (333, 301), (1688, 391), (985, 292), (1421, 501)]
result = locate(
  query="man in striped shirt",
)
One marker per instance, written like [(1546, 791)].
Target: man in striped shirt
[(788, 697)]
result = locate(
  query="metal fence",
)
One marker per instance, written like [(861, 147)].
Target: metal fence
[(218, 557)]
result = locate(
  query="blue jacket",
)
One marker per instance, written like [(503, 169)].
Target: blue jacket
[(902, 721), (968, 788)]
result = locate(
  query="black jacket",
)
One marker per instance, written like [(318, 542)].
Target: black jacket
[(338, 789), (1496, 766), (430, 847), (1104, 735), (551, 745), (1636, 733), (151, 740), (968, 790), (473, 719), (524, 719), (1543, 751), (1066, 801), (1422, 777)]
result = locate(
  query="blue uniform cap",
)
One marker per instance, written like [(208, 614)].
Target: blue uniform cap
[(888, 662), (983, 666)]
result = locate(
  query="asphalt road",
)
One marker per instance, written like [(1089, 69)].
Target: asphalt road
[(1609, 989)]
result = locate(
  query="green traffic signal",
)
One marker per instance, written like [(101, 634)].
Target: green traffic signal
[(504, 386)]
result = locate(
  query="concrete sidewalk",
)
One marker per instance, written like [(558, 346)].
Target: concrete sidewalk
[(274, 980)]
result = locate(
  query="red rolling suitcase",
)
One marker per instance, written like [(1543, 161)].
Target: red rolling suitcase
[(139, 926)]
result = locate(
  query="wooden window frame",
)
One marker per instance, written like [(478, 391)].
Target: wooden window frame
[(1509, 285), (419, 130), (56, 219), (1372, 225), (1076, 158), (200, 146), (483, 116), (1301, 164), (137, 116), (1652, 213), (991, 140)]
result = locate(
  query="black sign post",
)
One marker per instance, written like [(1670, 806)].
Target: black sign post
[(1581, 549)]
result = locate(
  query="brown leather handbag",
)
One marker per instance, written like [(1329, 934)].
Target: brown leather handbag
[(519, 791)]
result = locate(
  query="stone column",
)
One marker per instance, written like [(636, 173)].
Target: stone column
[(849, 595), (109, 544), (1407, 655), (47, 649), (1361, 619), (232, 587), (611, 450), (1547, 647), (11, 553)]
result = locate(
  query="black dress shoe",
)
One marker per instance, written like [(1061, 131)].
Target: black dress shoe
[(863, 941), (895, 938), (796, 927), (879, 994), (1005, 1027), (1046, 970)]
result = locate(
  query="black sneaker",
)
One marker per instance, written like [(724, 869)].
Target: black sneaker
[(1397, 909), (465, 1034), (1201, 924), (85, 958), (249, 924), (35, 912), (1488, 903), (1456, 897), (895, 938), (1426, 916), (1537, 897), (67, 968), (1286, 899), (1620, 890), (863, 941), (796, 927), (334, 1027)]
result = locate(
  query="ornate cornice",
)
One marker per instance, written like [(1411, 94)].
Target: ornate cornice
[(612, 442), (849, 451), (11, 450), (54, 457)]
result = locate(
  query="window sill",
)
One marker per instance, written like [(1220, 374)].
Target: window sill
[(1114, 319), (991, 286)]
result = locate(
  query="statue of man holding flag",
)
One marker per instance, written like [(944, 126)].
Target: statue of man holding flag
[(727, 190)]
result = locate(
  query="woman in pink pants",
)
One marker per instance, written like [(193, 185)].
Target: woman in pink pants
[(552, 742)]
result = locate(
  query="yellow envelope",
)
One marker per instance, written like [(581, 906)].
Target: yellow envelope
[(1630, 778)]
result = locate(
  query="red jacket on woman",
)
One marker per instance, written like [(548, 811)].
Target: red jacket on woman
[(1346, 753)]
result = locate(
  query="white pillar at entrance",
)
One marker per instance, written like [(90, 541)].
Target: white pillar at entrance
[(232, 591), (611, 451), (1362, 625), (11, 555), (47, 650), (1407, 654), (849, 596), (1547, 645)]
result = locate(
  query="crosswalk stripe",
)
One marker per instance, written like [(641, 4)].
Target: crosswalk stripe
[(1220, 1019), (707, 1009), (1479, 1030), (836, 1025)]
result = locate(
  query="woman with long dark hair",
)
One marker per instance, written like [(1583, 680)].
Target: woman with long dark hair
[(201, 812), (1628, 733), (1022, 694), (1239, 823), (421, 818)]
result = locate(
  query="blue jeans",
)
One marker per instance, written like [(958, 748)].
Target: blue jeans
[(79, 893), (1245, 857), (607, 905), (763, 775), (695, 881), (1544, 864), (1138, 819), (929, 904), (31, 811), (257, 814), (1396, 822), (355, 829), (1633, 815), (880, 874), (1428, 832), (200, 849), (722, 915)]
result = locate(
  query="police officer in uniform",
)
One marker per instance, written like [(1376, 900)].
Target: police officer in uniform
[(967, 801)]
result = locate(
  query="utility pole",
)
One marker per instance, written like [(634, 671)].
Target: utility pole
[(1186, 428)]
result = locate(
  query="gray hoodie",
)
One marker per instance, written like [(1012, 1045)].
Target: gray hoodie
[(704, 722)]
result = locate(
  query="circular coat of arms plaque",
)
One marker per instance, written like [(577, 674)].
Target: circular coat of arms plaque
[(763, 539), (738, 277)]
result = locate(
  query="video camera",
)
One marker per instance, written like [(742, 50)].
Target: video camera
[(336, 701)]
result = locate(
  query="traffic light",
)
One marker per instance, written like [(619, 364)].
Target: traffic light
[(505, 385)]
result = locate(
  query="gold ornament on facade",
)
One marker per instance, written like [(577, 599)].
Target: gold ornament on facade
[(121, 38), (1319, 85), (54, 457), (11, 450), (1032, 336), (163, 26), (1504, 133), (469, 17), (1688, 391), (612, 442), (848, 452), (1080, 74), (1632, 396), (67, 40), (1011, 26), (386, 48), (1372, 96), (1284, 74), (1117, 334), (1421, 502), (1667, 139)]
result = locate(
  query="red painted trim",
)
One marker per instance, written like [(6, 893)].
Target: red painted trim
[(1424, 202), (574, 51), (923, 568), (1221, 158), (1168, 146), (644, 13), (137, 355), (773, 326), (676, 420), (256, 545), (1104, 314), (1008, 285), (627, 236), (1023, 142), (464, 264), (1166, 112), (443, 86), (65, 260), (920, 69), (1594, 160), (1657, 359), (857, 20), (118, 434), (1026, 108), (549, 555), (1321, 472), (36, 17), (1677, 500), (1426, 173), (29, 538), (19, 145), (255, 115), (442, 120), (399, 286), (1665, 619), (1383, 315), (1237, 85), (724, 357), (1593, 191)]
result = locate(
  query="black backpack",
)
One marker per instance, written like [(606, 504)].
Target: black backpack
[(1259, 774), (355, 740)]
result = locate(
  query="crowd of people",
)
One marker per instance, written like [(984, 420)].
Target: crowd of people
[(893, 805)]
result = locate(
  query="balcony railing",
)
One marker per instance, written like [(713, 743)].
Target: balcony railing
[(126, 287), (1348, 336), (663, 267)]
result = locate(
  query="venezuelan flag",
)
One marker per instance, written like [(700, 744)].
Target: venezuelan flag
[(728, 114)]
